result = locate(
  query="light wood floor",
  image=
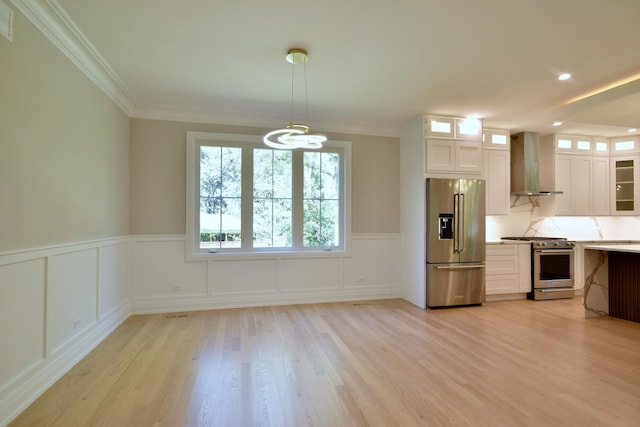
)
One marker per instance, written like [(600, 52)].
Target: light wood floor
[(378, 363)]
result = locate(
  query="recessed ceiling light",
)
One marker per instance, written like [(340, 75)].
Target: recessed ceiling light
[(565, 76), (557, 123), (633, 130)]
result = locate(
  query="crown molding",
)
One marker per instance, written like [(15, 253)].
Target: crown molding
[(52, 20), (235, 118)]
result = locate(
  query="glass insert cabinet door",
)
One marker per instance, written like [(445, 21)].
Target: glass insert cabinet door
[(625, 172)]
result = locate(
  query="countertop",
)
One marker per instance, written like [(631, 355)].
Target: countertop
[(584, 243), (614, 248)]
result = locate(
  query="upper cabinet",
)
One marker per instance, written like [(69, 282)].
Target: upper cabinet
[(624, 145), (439, 127), (453, 146), (601, 146), (574, 177), (581, 172), (573, 144), (625, 178), (625, 175), (452, 127), (496, 139), (497, 170), (597, 175)]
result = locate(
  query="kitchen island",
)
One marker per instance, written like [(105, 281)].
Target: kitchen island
[(612, 281)]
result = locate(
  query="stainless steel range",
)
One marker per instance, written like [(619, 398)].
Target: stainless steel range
[(552, 265)]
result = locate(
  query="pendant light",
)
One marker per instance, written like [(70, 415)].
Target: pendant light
[(295, 135)]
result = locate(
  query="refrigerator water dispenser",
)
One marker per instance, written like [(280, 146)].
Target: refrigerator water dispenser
[(445, 226)]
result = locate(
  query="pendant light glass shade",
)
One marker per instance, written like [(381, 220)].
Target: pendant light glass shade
[(295, 135)]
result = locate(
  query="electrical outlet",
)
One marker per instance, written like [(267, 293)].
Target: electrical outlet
[(76, 322), (176, 287), (361, 279)]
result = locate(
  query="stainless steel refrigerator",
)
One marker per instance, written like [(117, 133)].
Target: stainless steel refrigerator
[(455, 242)]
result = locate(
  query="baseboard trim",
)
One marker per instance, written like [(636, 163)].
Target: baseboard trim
[(25, 389), (215, 302)]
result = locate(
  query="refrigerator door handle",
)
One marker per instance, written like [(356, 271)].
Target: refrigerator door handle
[(456, 222), (461, 232), (460, 267)]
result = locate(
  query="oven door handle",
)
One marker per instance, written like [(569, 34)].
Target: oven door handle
[(555, 289), (555, 251)]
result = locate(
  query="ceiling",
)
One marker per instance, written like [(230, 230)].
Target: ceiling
[(373, 64)]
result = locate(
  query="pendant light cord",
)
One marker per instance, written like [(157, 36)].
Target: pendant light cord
[(306, 92), (306, 95), (293, 77)]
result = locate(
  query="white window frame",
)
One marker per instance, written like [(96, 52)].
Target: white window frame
[(195, 140)]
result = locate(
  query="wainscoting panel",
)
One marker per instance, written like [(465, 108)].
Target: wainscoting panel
[(113, 290), (160, 269), (242, 277), (72, 295), (359, 271), (22, 328), (56, 304), (310, 274), (163, 281)]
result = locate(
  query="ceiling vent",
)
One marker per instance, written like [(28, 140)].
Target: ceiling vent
[(6, 21)]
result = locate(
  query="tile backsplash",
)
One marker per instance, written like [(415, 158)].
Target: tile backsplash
[(533, 216)]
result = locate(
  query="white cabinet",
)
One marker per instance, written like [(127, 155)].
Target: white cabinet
[(625, 185), (450, 155), (499, 139), (470, 129), (624, 181), (581, 172), (453, 127), (452, 146), (574, 177), (440, 155), (601, 186), (601, 146), (573, 144), (624, 145), (439, 127), (497, 167), (508, 270)]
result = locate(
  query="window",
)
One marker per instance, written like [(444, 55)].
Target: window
[(245, 198)]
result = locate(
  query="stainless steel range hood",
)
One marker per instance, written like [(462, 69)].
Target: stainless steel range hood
[(528, 158)]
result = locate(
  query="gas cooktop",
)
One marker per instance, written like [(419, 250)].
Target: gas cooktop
[(533, 238), (540, 242)]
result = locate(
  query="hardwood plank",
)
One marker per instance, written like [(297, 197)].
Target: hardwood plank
[(376, 363)]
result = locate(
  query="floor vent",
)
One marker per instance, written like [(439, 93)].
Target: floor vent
[(176, 316)]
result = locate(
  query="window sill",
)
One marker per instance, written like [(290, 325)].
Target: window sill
[(248, 256)]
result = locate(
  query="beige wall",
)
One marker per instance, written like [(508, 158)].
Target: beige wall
[(158, 177), (64, 149)]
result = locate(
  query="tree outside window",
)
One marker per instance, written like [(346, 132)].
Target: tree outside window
[(245, 198)]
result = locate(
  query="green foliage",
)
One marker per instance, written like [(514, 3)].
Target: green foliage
[(221, 185)]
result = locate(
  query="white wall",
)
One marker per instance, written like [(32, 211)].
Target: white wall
[(64, 178), (56, 305), (162, 281)]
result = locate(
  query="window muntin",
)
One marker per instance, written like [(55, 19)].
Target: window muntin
[(272, 198), (321, 199), (264, 209), (220, 197)]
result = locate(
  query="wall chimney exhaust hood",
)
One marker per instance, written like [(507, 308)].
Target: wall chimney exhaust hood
[(531, 166)]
